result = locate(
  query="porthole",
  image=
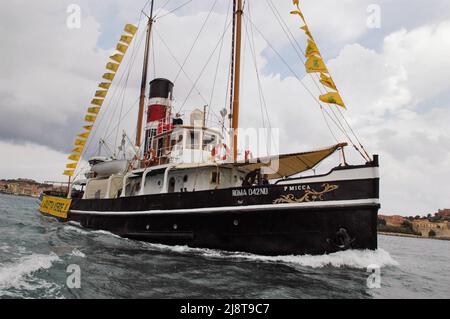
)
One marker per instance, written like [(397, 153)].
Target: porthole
[(236, 222), (147, 227), (175, 227)]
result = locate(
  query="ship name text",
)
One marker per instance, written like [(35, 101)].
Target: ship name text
[(250, 192)]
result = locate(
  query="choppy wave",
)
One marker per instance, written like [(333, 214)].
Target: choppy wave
[(360, 259), (75, 227), (78, 253), (5, 248), (14, 275), (76, 230)]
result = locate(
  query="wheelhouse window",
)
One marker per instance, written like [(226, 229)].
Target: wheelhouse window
[(194, 140)]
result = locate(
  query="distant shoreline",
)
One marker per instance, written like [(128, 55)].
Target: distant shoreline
[(411, 236), (18, 195)]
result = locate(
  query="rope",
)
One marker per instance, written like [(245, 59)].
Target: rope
[(196, 40), (176, 9), (202, 71)]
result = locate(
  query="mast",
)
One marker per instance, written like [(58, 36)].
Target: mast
[(144, 78), (237, 76)]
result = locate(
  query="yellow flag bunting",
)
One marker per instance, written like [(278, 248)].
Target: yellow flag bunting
[(72, 165), (332, 98), (84, 135), (112, 67), (311, 49), (327, 81), (315, 64)]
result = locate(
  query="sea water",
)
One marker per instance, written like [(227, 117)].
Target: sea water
[(42, 258)]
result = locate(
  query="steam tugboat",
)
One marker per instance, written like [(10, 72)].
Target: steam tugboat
[(185, 186)]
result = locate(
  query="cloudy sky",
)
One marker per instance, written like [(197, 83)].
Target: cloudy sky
[(393, 77)]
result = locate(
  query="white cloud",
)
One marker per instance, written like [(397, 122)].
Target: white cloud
[(31, 161)]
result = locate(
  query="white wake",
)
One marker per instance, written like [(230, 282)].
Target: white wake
[(14, 275)]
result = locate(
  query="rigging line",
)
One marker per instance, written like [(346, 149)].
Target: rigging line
[(297, 47), (179, 64), (218, 64), (162, 8), (256, 68), (203, 69), (196, 40), (124, 116), (356, 136), (328, 125), (128, 73), (177, 8), (281, 21), (125, 75), (287, 65), (256, 71), (103, 116), (120, 114), (262, 99), (301, 82)]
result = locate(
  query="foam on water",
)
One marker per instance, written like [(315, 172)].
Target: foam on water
[(75, 227), (78, 253), (5, 248), (76, 230), (14, 275), (360, 259)]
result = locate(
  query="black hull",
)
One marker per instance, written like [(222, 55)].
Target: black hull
[(299, 218), (277, 232)]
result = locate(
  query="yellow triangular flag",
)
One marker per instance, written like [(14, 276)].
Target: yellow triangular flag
[(307, 32), (122, 48), (117, 58), (299, 13), (98, 102), (69, 173), (112, 66), (84, 135), (101, 93), (72, 165), (78, 150), (332, 98), (126, 39), (75, 157), (90, 118), (311, 49), (315, 64), (327, 81), (129, 28), (94, 110), (109, 76), (79, 142), (296, 2), (104, 85), (88, 127)]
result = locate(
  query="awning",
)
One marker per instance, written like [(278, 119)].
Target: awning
[(290, 164)]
